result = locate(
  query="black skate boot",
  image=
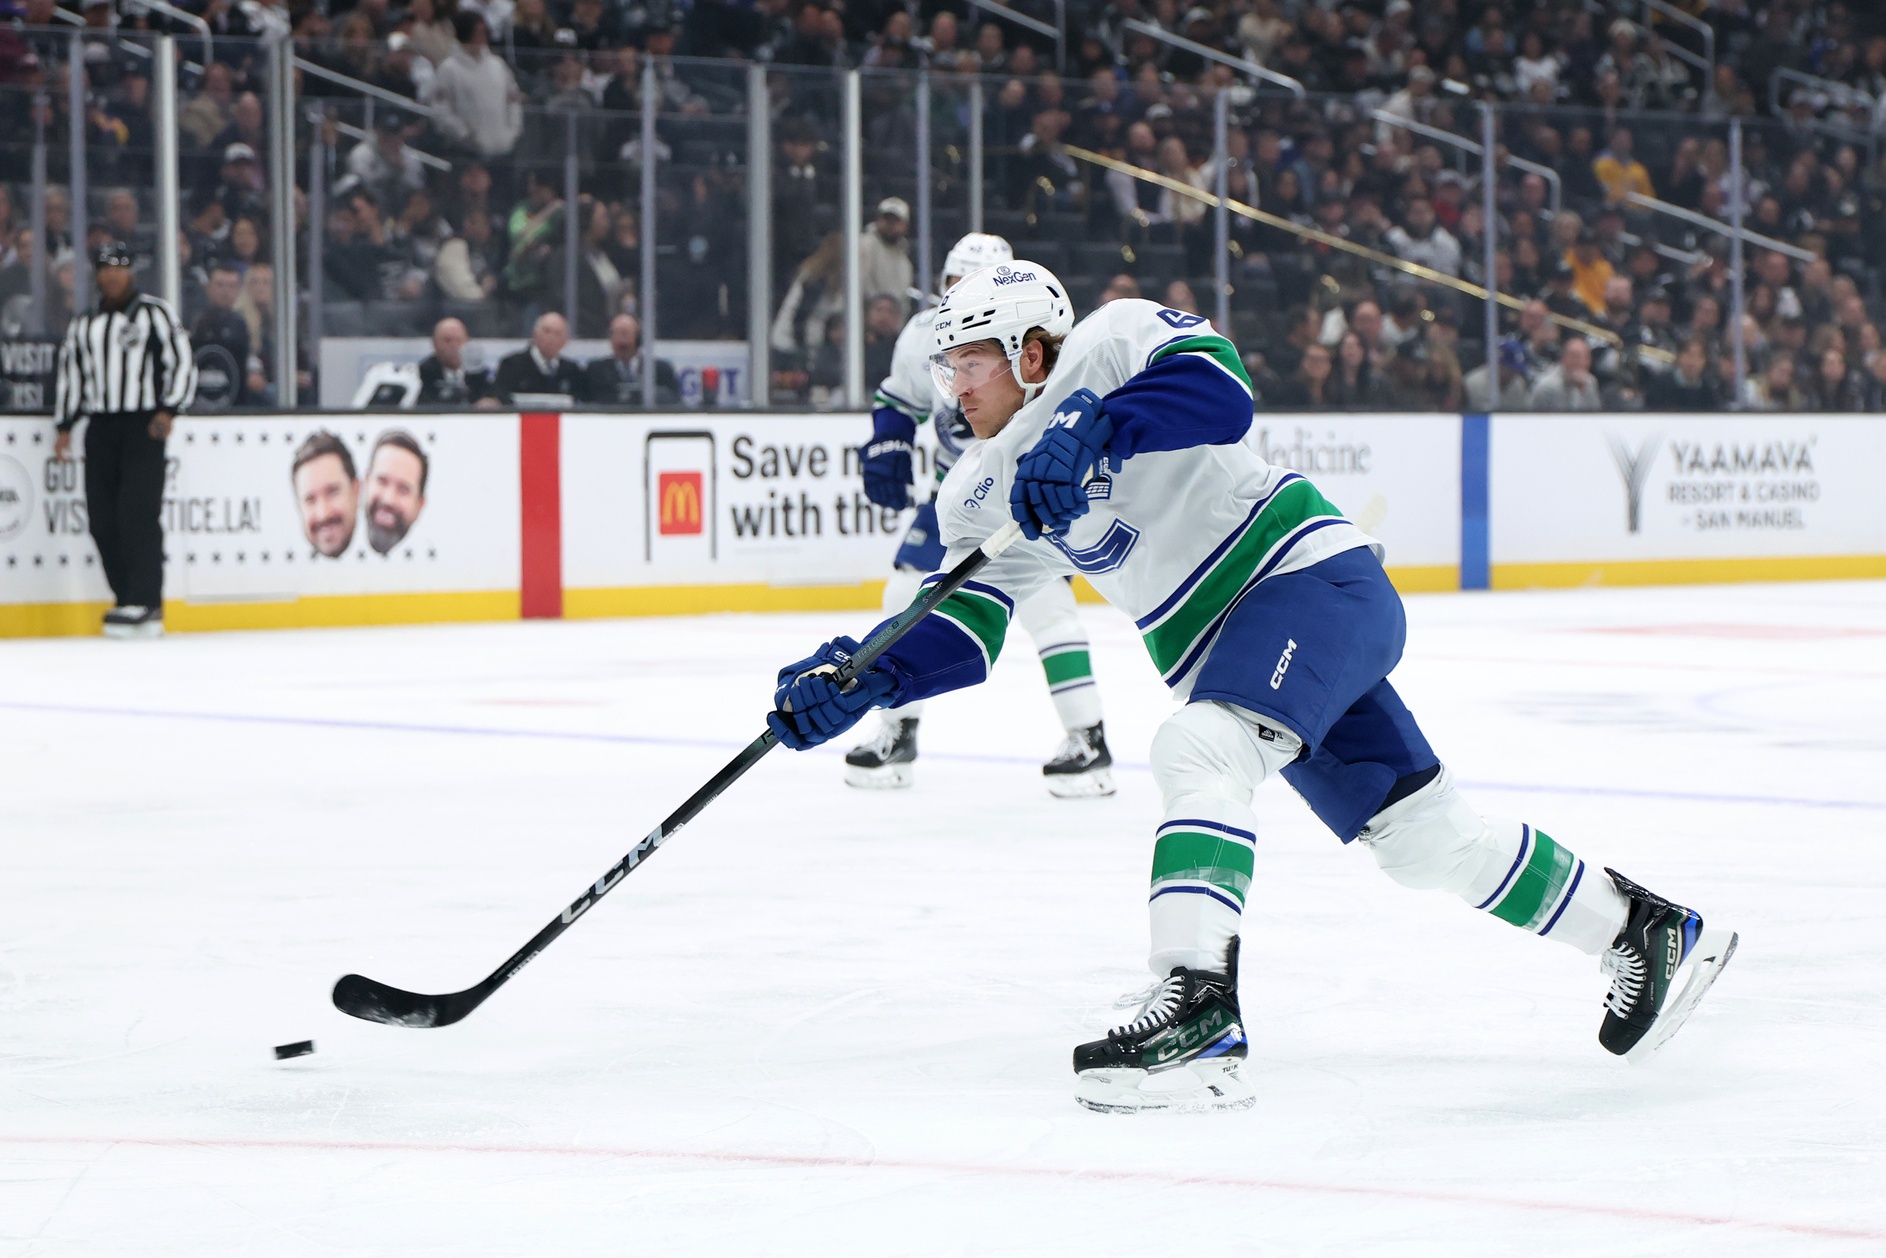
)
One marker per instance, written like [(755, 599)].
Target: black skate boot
[(887, 761), (1659, 942), (134, 622), (1083, 767), (1181, 1054)]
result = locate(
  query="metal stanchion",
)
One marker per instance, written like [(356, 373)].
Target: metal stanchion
[(1221, 216), (36, 276), (759, 239), (645, 300), (923, 180), (317, 232), (975, 155), (78, 199), (164, 119), (1736, 209), (853, 130), (572, 228), (1489, 210), (281, 174)]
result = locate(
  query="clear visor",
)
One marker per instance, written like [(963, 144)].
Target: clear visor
[(969, 367)]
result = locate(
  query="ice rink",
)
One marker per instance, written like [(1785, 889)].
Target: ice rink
[(826, 1022)]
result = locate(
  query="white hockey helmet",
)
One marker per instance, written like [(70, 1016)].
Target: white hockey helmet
[(971, 254), (999, 303)]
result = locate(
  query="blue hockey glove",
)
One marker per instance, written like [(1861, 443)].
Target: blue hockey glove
[(1050, 480), (885, 461), (811, 707)]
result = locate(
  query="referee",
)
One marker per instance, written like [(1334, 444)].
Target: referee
[(127, 367)]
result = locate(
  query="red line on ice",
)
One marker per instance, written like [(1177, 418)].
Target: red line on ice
[(788, 1160)]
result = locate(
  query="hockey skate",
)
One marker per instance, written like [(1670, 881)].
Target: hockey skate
[(888, 760), (1181, 1054), (1083, 767), (1661, 943), (134, 622)]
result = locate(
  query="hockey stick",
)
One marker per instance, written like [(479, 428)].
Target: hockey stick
[(377, 1002)]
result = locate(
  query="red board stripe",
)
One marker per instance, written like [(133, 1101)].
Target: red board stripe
[(541, 487)]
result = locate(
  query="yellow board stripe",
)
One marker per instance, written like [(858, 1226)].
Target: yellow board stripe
[(1533, 576), (694, 600), (28, 620)]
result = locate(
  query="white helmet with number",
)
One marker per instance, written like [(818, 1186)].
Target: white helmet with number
[(1000, 303), (972, 253)]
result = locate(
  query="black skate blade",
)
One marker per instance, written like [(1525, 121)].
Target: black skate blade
[(362, 997)]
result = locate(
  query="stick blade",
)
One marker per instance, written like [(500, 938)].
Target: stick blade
[(362, 997)]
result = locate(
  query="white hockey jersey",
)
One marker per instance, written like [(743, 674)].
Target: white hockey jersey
[(1185, 517)]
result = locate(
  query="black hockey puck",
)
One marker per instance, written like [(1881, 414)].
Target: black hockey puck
[(300, 1048)]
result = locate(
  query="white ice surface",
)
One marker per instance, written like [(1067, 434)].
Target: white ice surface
[(836, 1023)]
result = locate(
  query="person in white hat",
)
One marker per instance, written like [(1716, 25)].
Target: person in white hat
[(884, 265)]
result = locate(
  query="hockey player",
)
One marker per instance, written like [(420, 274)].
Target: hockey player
[(1269, 614), (1082, 767)]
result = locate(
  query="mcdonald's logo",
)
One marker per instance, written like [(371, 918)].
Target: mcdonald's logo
[(680, 496)]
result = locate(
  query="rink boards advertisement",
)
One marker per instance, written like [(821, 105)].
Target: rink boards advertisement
[(716, 511), (407, 517), (1654, 499), (277, 521)]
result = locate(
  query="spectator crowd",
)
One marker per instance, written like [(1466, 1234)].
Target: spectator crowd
[(445, 189)]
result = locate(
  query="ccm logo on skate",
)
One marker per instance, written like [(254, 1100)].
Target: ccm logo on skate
[(1283, 664)]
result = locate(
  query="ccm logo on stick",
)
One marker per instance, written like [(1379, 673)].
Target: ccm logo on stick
[(1283, 664)]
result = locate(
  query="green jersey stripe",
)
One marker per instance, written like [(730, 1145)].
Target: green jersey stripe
[(1213, 346), (1538, 886), (982, 618), (1187, 856), (1067, 666), (1292, 506)]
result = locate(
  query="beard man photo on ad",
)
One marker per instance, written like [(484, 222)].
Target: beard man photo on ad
[(396, 488), (328, 492)]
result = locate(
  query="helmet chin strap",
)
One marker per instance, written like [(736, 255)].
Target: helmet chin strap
[(1029, 391)]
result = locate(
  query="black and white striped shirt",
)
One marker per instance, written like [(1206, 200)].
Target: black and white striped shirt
[(126, 361)]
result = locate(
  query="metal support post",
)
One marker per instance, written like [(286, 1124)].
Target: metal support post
[(759, 238), (924, 278), (78, 199), (1737, 335), (1489, 211), (572, 228), (853, 131), (281, 177), (645, 298), (317, 231), (36, 277), (1221, 216), (975, 155), (164, 116)]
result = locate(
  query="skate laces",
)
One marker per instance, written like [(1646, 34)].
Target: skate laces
[(883, 742), (1628, 970), (1157, 1003)]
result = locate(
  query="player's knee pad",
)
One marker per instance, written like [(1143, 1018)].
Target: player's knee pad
[(1213, 748), (1432, 839)]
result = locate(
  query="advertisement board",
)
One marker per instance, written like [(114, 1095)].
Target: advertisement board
[(709, 509), (345, 359), (1653, 498), (1398, 476), (282, 520)]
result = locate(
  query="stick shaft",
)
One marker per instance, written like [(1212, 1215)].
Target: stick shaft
[(886, 635)]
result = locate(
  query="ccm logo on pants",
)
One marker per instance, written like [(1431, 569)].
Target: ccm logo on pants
[(1283, 664)]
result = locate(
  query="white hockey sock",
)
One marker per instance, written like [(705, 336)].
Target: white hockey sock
[(1207, 760), (1433, 840), (1053, 620), (1203, 858)]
